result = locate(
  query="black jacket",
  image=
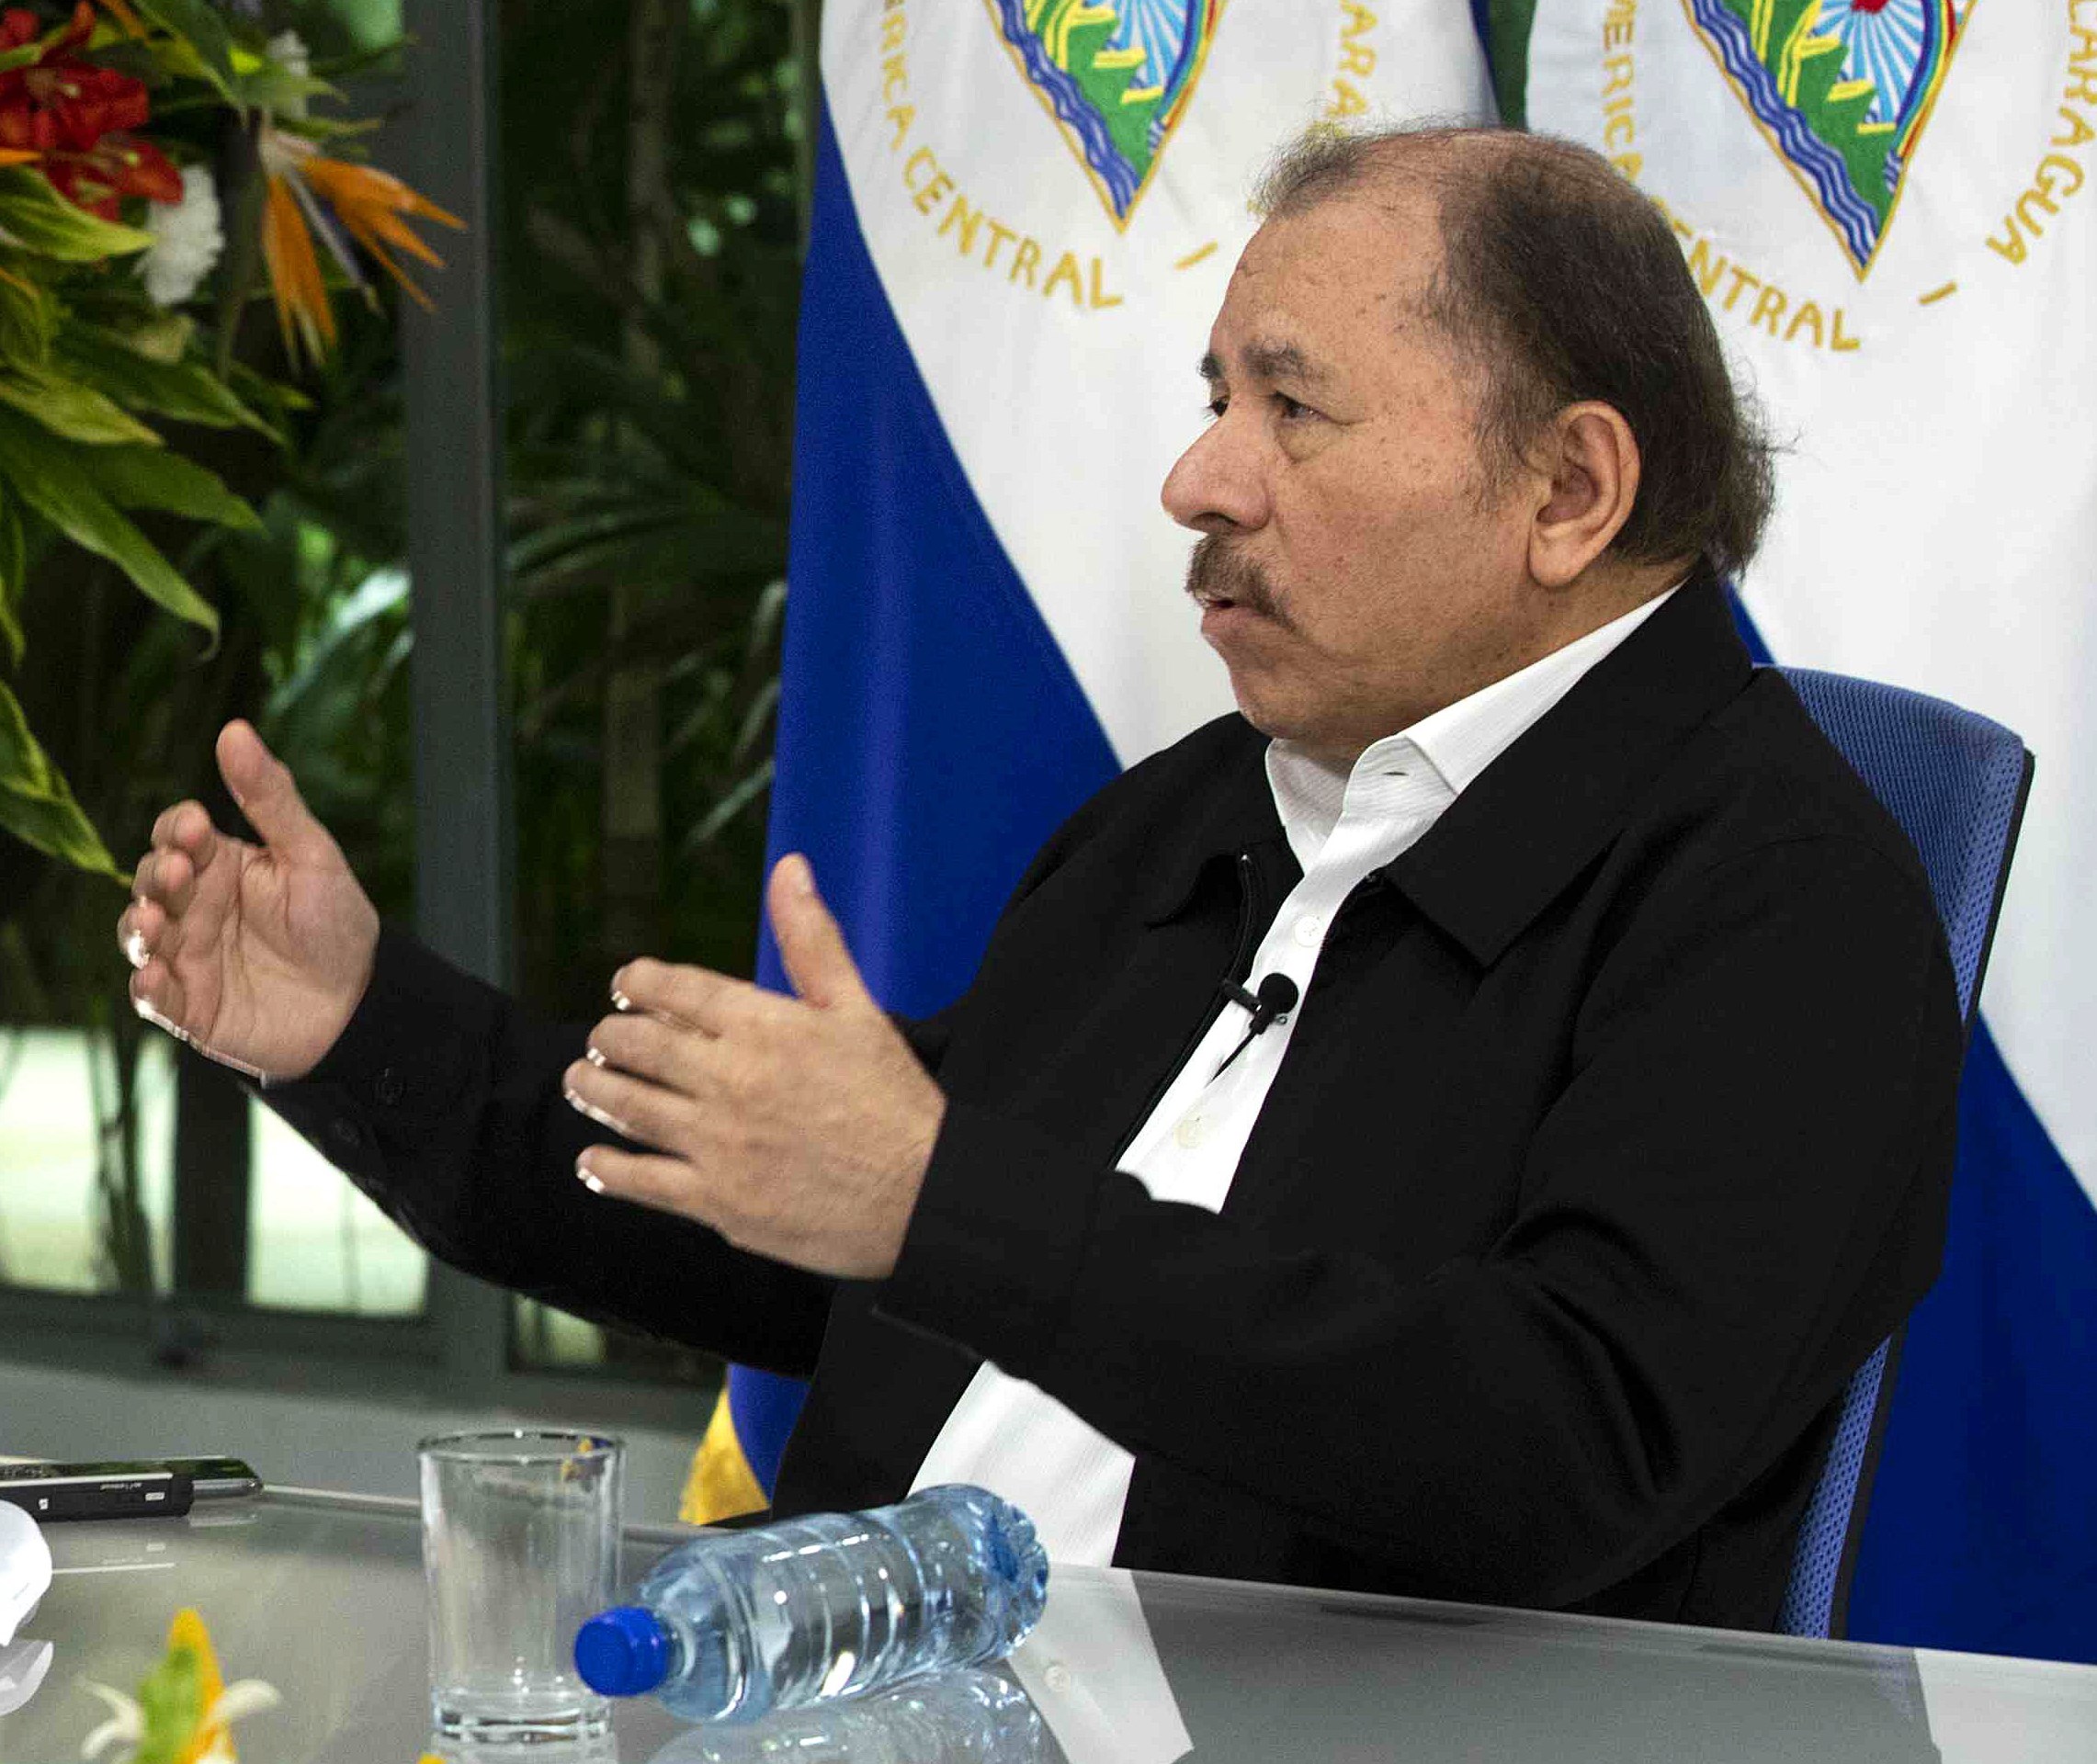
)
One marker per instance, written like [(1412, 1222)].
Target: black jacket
[(1615, 1132)]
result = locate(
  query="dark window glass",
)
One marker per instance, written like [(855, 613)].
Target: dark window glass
[(652, 183)]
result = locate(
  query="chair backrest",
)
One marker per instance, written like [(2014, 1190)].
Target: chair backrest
[(1956, 783)]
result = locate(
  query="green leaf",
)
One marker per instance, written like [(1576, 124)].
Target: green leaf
[(155, 478), (67, 408), (14, 569), (203, 30), (37, 805), (165, 336), (321, 130), (41, 221), (277, 88), (258, 389), (172, 1699), (28, 317), (28, 55), (188, 391), (48, 476)]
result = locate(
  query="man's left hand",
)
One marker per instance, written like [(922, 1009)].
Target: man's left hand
[(799, 1128)]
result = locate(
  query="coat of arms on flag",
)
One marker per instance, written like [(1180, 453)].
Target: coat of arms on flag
[(1842, 90), (1116, 75)]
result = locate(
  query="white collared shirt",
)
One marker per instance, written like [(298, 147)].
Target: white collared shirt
[(1010, 1436)]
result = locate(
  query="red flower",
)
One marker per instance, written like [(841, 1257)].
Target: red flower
[(118, 166), (79, 117), (19, 28)]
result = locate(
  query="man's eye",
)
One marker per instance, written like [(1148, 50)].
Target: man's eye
[(1217, 405), (1291, 411)]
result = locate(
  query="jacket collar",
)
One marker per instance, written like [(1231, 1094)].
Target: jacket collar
[(1237, 816), (1535, 817)]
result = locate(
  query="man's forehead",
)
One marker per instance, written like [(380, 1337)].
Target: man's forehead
[(1391, 220), (1309, 280)]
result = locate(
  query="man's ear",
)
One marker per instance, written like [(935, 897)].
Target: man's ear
[(1592, 458)]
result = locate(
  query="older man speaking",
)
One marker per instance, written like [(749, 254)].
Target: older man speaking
[(1452, 1128)]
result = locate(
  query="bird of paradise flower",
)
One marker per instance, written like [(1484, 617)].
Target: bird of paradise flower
[(310, 195), (184, 1708)]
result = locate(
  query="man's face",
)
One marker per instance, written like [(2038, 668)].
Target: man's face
[(1351, 574)]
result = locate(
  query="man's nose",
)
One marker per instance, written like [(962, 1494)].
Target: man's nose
[(1215, 484)]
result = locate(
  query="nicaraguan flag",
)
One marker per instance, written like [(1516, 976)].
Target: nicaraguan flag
[(1884, 202), (1025, 214)]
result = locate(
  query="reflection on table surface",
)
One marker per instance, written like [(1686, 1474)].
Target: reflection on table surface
[(322, 1597)]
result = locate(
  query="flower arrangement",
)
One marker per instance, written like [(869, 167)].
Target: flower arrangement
[(184, 1711), (161, 167)]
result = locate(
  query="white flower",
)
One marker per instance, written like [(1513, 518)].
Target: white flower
[(187, 240), (289, 51), (126, 1726)]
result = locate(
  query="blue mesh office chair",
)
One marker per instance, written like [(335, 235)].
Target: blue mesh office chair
[(1956, 784)]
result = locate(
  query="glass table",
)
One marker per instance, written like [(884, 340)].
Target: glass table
[(322, 1596)]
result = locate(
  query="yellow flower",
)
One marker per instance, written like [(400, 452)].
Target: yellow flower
[(185, 1709)]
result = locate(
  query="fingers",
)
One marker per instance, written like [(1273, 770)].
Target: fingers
[(631, 1175), (669, 1184), (156, 995), (652, 1048), (184, 844), (630, 1107), (145, 930), (263, 786), (811, 947), (186, 827), (167, 876), (696, 996)]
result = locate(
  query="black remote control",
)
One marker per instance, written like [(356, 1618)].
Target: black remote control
[(113, 1490), (137, 1489)]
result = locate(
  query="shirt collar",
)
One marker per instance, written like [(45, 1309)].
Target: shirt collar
[(1459, 741)]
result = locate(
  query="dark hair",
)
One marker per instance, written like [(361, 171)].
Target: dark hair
[(1563, 283)]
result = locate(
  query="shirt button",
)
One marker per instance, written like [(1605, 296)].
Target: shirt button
[(1308, 930), (1192, 1129)]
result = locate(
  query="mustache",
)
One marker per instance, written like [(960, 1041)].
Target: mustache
[(1217, 571)]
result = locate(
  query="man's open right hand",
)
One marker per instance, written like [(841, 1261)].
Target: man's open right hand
[(257, 955)]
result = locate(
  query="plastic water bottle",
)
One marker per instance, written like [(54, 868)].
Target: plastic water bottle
[(948, 1718), (730, 1628)]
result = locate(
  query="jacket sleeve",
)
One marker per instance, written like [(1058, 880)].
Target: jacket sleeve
[(1738, 1189), (442, 1101)]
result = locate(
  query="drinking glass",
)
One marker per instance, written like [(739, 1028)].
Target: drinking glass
[(520, 1544)]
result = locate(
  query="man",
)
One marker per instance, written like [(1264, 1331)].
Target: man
[(1453, 1129)]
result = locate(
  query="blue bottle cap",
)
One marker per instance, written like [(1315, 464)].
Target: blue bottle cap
[(622, 1652)]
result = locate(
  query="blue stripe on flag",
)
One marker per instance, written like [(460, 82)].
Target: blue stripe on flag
[(1983, 1532), (763, 1406), (930, 732), (1481, 22)]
